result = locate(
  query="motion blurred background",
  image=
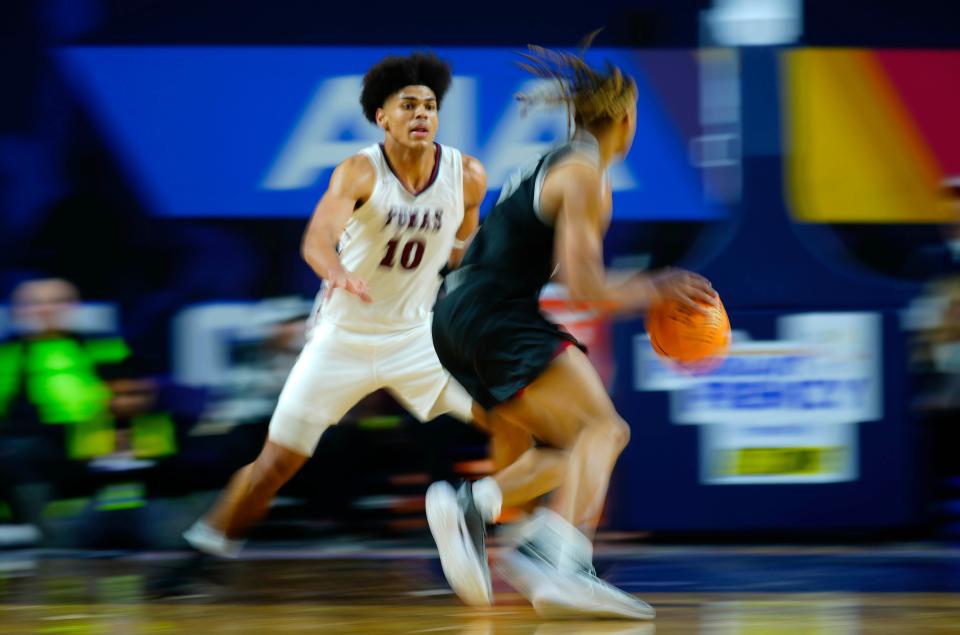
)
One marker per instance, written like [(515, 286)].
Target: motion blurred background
[(159, 159)]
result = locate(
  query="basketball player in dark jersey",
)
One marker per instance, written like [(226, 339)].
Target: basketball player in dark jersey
[(527, 372)]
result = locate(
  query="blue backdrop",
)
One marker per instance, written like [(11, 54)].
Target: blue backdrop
[(255, 131)]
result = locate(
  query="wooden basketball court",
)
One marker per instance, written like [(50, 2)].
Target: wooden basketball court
[(710, 591)]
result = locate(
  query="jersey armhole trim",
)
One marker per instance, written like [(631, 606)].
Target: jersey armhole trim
[(456, 166), (537, 189), (548, 163), (378, 176), (545, 165)]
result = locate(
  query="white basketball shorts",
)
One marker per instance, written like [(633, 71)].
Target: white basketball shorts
[(338, 367)]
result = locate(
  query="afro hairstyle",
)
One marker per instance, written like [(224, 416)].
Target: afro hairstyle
[(394, 72)]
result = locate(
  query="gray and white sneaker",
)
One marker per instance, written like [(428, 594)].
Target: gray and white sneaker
[(551, 566), (460, 533), (529, 571), (606, 599)]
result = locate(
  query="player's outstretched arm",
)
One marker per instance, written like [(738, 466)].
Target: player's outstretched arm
[(474, 189), (350, 184), (581, 221)]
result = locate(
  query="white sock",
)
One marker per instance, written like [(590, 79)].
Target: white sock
[(488, 498)]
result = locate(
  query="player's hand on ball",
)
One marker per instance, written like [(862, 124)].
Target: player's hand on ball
[(689, 288), (350, 283)]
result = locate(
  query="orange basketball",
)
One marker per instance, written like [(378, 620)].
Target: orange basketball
[(686, 336)]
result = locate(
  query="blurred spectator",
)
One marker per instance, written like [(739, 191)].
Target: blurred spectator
[(937, 348), (936, 364), (942, 257), (43, 380), (67, 400)]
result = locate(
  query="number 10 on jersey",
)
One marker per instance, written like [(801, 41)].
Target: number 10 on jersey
[(410, 254)]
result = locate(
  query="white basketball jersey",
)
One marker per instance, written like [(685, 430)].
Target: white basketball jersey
[(398, 242)]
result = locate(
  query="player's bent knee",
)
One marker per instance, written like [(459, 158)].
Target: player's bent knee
[(610, 421), (615, 431), (295, 434), (620, 433)]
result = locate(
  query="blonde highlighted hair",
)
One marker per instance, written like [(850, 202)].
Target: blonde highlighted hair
[(591, 97)]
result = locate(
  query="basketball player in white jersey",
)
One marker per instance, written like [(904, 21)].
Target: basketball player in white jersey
[(394, 215)]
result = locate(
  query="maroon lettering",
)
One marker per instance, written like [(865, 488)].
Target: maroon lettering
[(390, 216), (412, 254), (388, 258)]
